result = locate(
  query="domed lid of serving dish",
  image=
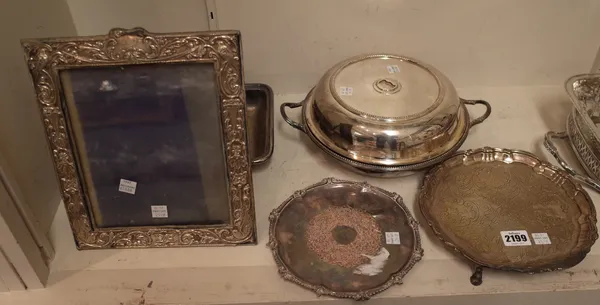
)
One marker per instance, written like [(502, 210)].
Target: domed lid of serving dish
[(385, 110)]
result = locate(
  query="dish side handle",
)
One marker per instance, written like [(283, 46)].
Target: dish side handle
[(291, 122), (488, 110), (549, 144)]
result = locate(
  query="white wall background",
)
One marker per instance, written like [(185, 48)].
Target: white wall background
[(22, 140), (290, 44), (92, 17), (29, 194)]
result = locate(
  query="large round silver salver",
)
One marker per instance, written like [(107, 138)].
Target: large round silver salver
[(477, 200), (386, 112)]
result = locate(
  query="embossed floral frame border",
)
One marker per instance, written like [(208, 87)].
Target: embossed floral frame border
[(45, 57)]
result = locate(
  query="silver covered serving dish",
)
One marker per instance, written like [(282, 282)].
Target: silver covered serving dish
[(383, 114), (582, 130)]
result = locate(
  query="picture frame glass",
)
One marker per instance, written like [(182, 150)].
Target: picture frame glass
[(149, 143)]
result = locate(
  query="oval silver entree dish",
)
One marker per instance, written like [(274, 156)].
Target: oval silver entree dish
[(344, 239), (383, 114), (509, 210)]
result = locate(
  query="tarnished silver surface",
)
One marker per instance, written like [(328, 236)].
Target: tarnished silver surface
[(298, 262)]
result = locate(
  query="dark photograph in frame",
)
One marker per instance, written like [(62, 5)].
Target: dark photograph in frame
[(149, 141), (147, 133)]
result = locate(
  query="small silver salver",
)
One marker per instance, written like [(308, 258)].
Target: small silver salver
[(344, 239)]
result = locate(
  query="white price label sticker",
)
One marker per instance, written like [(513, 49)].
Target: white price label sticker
[(159, 211), (393, 69), (392, 238), (346, 90), (515, 238), (541, 238), (127, 186)]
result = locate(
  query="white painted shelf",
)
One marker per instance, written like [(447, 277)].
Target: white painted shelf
[(247, 274)]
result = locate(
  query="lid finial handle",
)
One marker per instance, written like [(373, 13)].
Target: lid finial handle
[(387, 86)]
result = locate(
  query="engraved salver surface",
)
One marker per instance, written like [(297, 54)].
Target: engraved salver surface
[(474, 196), (331, 238)]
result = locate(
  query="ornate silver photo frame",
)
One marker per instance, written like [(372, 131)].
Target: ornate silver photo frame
[(148, 136)]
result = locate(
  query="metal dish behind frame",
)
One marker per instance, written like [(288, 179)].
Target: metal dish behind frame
[(259, 122), (530, 259)]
